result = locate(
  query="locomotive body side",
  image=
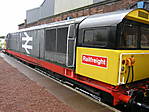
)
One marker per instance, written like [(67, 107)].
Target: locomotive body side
[(102, 53), (54, 42)]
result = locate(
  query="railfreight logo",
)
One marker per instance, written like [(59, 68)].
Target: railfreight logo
[(27, 39), (95, 60)]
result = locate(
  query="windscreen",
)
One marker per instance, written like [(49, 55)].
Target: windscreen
[(133, 35), (144, 37)]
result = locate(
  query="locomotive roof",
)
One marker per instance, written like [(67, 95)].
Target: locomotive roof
[(54, 24), (105, 19), (90, 21)]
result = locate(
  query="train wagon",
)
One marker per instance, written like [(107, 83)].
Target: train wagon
[(104, 54)]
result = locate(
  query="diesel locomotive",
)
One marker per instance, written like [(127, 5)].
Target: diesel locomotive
[(104, 54)]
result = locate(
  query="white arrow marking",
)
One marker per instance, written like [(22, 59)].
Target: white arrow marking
[(27, 39)]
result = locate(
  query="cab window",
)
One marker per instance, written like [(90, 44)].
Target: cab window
[(129, 36), (102, 37), (97, 37), (133, 35), (144, 37)]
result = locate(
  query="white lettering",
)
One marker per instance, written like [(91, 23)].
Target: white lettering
[(96, 61)]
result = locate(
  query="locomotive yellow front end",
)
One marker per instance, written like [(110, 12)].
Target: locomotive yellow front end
[(113, 67), (115, 58), (133, 66)]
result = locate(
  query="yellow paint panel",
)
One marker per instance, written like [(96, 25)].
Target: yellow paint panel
[(105, 65), (139, 15), (141, 70), (104, 74)]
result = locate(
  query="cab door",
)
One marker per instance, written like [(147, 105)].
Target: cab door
[(71, 45)]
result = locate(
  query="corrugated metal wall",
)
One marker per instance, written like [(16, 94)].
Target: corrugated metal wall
[(32, 15), (45, 10)]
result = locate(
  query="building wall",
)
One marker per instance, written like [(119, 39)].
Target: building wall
[(45, 10), (95, 1), (53, 7), (66, 5), (99, 7), (33, 15)]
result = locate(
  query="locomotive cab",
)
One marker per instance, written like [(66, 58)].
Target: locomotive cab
[(114, 47)]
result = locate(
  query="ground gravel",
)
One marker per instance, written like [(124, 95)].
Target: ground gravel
[(20, 94)]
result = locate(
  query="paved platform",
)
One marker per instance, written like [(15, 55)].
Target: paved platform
[(20, 94), (23, 89)]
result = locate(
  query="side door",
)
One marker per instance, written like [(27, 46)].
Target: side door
[(71, 46)]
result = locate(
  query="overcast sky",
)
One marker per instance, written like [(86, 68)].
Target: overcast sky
[(13, 12)]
